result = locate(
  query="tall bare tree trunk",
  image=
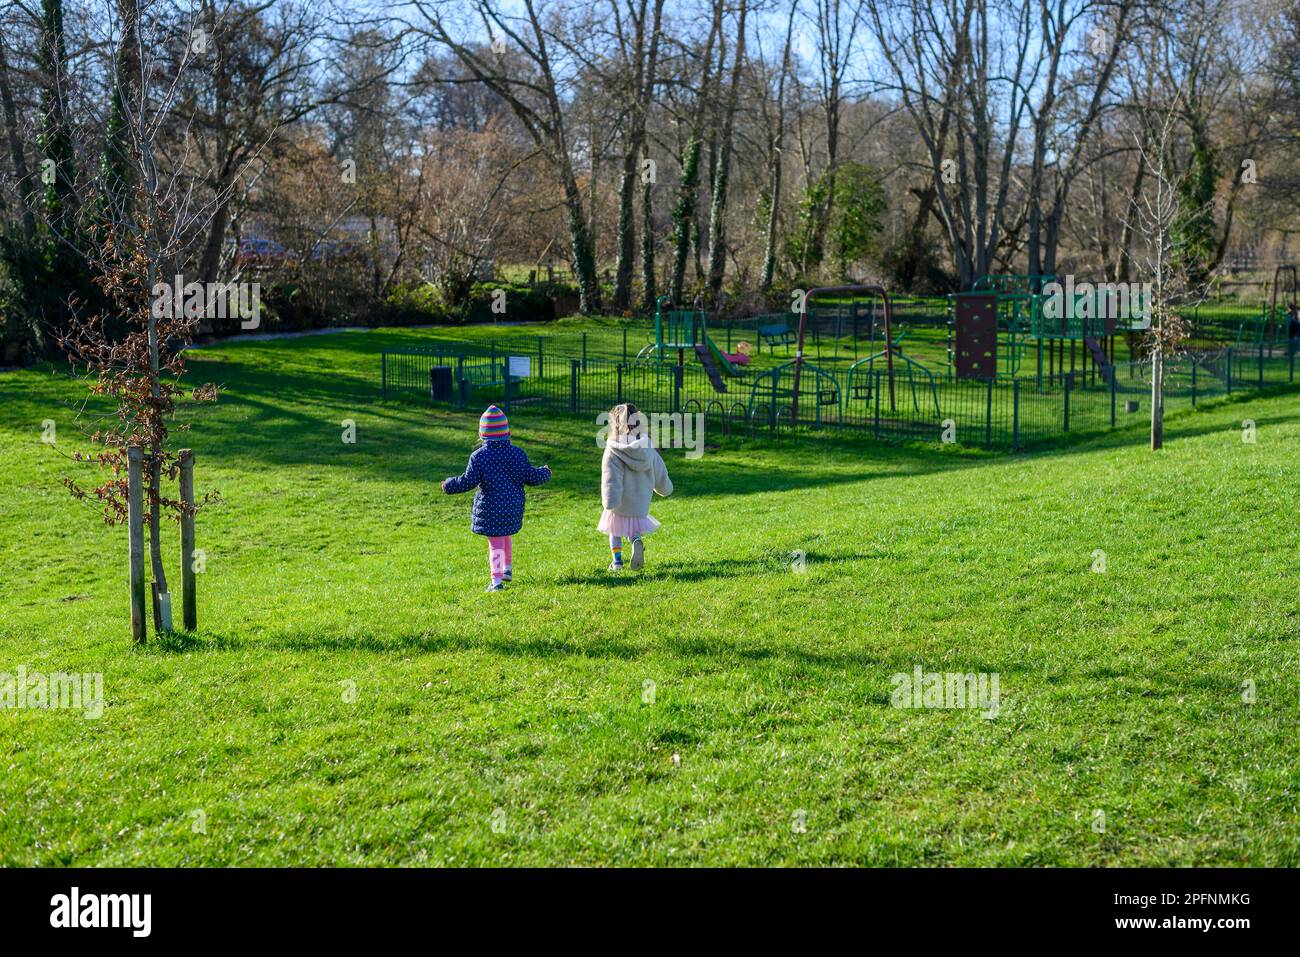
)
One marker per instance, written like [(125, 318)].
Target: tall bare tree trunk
[(718, 207), (645, 50), (1125, 264), (688, 187), (649, 287), (16, 153), (776, 143)]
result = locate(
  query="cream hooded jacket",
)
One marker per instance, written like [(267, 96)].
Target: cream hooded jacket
[(629, 472)]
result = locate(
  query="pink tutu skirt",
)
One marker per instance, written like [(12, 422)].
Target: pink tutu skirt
[(611, 523)]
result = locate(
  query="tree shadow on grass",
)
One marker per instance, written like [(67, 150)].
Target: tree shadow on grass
[(741, 569), (432, 643), (424, 642), (188, 642), (721, 652), (1179, 424)]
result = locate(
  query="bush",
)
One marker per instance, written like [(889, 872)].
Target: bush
[(413, 304), (498, 301)]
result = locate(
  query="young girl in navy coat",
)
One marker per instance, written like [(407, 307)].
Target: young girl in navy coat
[(499, 471)]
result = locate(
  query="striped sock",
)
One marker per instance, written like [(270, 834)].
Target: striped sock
[(616, 546)]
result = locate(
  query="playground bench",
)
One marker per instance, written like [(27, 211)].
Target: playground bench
[(777, 334)]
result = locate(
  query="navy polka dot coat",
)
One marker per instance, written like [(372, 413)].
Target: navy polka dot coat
[(499, 471)]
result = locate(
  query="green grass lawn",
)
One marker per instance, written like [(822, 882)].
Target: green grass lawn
[(515, 728)]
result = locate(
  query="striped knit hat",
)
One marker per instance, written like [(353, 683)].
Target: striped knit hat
[(493, 425)]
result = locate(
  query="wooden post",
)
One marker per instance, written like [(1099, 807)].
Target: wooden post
[(135, 533), (189, 598)]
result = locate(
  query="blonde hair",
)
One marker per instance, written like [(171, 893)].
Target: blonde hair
[(625, 421)]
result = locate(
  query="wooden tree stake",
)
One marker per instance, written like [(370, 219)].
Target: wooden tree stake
[(189, 605), (135, 528)]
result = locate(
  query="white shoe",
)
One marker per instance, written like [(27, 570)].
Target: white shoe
[(616, 566), (638, 553)]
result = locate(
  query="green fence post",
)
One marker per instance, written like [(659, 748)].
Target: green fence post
[(1069, 381), (988, 416), (540, 366), (574, 365), (620, 385), (505, 374), (876, 391), (1113, 380), (460, 383), (1015, 415), (383, 384), (678, 373)]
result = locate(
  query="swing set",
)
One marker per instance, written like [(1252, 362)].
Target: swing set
[(820, 376)]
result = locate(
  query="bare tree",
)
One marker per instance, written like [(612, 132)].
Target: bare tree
[(637, 32), (688, 186), (722, 169), (1155, 215), (518, 65), (1056, 132), (835, 44), (144, 221), (962, 71), (775, 146)]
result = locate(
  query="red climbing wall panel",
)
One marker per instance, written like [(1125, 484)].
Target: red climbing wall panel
[(977, 336)]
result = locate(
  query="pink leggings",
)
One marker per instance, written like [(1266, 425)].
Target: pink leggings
[(498, 554)]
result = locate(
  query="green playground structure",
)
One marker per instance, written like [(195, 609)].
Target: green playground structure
[(915, 379), (823, 394), (1273, 325), (992, 326), (680, 330), (1019, 309), (778, 390)]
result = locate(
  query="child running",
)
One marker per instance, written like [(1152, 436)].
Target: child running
[(499, 471), (629, 472)]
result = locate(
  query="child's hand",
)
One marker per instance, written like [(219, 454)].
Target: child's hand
[(443, 485)]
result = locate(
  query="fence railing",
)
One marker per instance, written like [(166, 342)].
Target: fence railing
[(1001, 413)]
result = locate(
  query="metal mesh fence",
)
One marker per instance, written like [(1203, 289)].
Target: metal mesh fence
[(1003, 413)]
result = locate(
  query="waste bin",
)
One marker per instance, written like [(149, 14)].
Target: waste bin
[(440, 386)]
